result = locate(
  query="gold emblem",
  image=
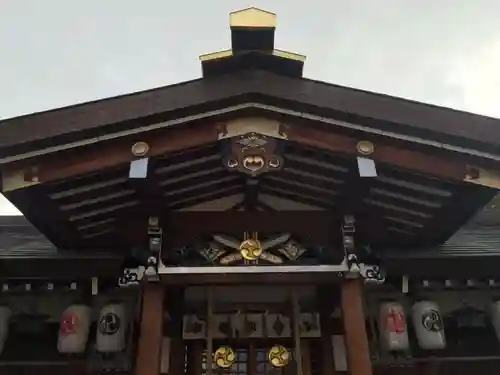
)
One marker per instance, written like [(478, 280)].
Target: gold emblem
[(250, 248), (279, 356), (253, 154), (224, 357)]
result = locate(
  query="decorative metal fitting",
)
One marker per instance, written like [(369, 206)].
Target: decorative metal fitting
[(140, 149)]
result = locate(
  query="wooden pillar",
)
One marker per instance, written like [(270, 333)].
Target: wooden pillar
[(305, 350), (252, 359), (195, 357), (356, 338), (151, 335), (327, 297), (177, 347)]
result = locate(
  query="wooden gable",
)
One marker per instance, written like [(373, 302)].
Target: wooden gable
[(68, 170)]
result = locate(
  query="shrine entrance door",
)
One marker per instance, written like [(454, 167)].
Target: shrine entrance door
[(255, 330)]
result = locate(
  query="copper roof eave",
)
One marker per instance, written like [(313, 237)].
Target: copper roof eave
[(371, 110)]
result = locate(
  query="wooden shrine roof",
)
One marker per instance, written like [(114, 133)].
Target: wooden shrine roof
[(26, 253), (244, 90), (67, 169), (474, 249)]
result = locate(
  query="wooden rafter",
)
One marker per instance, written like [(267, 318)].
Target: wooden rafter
[(64, 165), (57, 229), (111, 154), (186, 170), (445, 168)]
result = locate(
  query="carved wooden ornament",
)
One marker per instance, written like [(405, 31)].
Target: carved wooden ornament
[(253, 154)]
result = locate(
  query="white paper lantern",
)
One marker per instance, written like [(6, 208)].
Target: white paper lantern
[(74, 329), (112, 328), (429, 327), (392, 327)]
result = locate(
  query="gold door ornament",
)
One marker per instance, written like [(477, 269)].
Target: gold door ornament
[(251, 248), (279, 356), (224, 357)]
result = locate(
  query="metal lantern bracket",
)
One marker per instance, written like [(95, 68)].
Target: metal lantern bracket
[(149, 270), (132, 276), (155, 233), (351, 259), (370, 273)]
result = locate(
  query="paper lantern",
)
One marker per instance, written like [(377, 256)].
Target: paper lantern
[(74, 329), (429, 327), (392, 327), (112, 328)]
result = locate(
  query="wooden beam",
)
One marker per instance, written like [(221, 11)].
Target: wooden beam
[(85, 159), (79, 161), (437, 166), (151, 335), (358, 351), (75, 265), (284, 278), (434, 264), (188, 225), (185, 225), (327, 297)]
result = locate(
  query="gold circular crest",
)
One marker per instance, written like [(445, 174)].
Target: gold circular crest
[(251, 249), (279, 356), (140, 148), (365, 147), (224, 357)]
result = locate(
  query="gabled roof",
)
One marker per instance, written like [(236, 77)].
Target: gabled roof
[(338, 107), (252, 74), (26, 253), (81, 193), (18, 238)]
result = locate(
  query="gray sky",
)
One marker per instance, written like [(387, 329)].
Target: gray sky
[(61, 52)]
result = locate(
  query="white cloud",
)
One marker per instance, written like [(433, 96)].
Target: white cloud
[(7, 208), (478, 75)]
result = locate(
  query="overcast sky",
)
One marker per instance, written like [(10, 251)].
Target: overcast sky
[(61, 52)]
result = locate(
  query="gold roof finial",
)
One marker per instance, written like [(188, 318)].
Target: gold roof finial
[(252, 17), (252, 34)]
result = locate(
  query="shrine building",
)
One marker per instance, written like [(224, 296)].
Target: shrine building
[(250, 222)]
